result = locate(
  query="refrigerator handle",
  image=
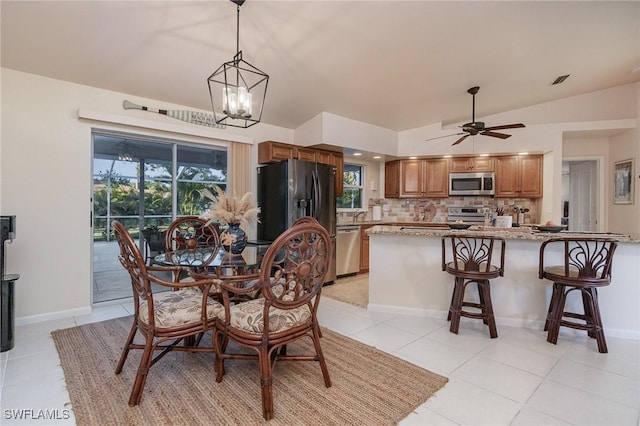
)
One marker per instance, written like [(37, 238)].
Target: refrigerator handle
[(317, 194)]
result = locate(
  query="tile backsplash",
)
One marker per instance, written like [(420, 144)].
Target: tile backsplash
[(410, 209)]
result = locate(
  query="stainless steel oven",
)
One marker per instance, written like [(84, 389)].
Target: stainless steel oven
[(471, 183), (467, 214)]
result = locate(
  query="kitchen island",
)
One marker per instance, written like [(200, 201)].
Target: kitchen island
[(406, 277)]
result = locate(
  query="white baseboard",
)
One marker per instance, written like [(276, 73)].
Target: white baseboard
[(508, 322), (34, 319)]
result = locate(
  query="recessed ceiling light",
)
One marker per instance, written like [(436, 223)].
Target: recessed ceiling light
[(447, 156), (484, 155), (523, 153), (412, 158), (377, 157), (357, 154)]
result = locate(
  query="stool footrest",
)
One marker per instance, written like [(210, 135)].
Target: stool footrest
[(476, 315)]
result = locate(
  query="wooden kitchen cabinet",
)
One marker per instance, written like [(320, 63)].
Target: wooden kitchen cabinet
[(437, 181), (307, 155), (471, 164), (412, 178), (274, 152), (392, 179), (364, 248), (518, 176), (417, 178), (335, 159)]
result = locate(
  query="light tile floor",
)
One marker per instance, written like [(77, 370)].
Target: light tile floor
[(516, 379)]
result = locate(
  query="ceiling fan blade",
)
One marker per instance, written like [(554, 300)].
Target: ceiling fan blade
[(506, 126), (447, 136), (460, 140), (495, 135)]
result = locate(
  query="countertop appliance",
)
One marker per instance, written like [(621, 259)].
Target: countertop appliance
[(347, 249), (467, 214), (292, 189), (472, 183)]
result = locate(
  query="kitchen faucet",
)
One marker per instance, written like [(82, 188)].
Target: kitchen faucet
[(358, 213)]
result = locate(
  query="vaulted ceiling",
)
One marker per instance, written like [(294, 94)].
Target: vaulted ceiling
[(395, 64)]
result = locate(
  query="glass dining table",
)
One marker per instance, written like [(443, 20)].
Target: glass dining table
[(215, 261)]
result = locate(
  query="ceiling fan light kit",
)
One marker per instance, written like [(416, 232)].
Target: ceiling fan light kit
[(238, 89), (474, 127)]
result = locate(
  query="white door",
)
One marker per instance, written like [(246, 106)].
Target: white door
[(583, 205)]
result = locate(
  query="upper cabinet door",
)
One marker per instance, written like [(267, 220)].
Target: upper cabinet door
[(531, 176), (471, 164), (412, 178), (392, 179), (507, 176), (274, 152), (519, 176), (482, 164), (437, 178), (306, 154)]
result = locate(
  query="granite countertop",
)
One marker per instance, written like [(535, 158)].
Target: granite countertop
[(518, 233), (392, 222)]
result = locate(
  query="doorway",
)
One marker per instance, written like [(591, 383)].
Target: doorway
[(144, 183), (583, 191)]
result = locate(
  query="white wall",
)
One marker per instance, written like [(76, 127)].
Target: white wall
[(340, 131), (624, 218), (46, 181)]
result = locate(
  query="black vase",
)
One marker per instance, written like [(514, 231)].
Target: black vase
[(233, 239)]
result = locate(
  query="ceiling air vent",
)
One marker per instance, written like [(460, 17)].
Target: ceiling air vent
[(561, 79)]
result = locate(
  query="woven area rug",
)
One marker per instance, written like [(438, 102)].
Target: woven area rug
[(353, 290), (369, 386)]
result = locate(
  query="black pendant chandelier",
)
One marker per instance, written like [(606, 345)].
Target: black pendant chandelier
[(237, 88)]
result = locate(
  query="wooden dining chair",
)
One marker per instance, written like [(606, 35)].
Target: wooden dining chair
[(305, 219), (291, 278), (154, 244), (190, 232), (168, 321)]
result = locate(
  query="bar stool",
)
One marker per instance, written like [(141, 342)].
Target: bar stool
[(587, 266), (470, 261)]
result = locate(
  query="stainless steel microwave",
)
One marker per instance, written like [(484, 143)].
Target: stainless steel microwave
[(471, 183)]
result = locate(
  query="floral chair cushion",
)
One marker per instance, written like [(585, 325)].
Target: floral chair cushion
[(248, 317), (174, 308)]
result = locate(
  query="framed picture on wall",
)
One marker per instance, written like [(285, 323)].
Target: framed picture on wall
[(623, 182)]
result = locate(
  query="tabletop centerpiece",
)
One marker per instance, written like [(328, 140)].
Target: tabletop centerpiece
[(233, 211)]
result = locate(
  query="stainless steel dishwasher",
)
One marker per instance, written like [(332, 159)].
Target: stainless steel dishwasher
[(347, 249)]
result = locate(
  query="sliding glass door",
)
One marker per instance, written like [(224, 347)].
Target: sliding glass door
[(145, 184)]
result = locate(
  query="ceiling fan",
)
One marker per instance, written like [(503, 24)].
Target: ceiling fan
[(477, 127)]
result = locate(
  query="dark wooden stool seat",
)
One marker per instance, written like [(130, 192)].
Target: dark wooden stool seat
[(587, 266), (470, 261)]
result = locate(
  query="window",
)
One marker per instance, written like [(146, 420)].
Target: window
[(144, 183), (353, 188)]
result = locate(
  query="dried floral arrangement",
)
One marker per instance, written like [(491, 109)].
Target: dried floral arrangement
[(230, 209)]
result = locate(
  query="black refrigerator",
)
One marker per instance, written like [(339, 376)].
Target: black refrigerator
[(292, 189)]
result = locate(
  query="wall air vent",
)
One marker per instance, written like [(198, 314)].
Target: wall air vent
[(560, 79)]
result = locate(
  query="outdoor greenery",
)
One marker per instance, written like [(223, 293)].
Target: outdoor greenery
[(352, 193), (121, 194)]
